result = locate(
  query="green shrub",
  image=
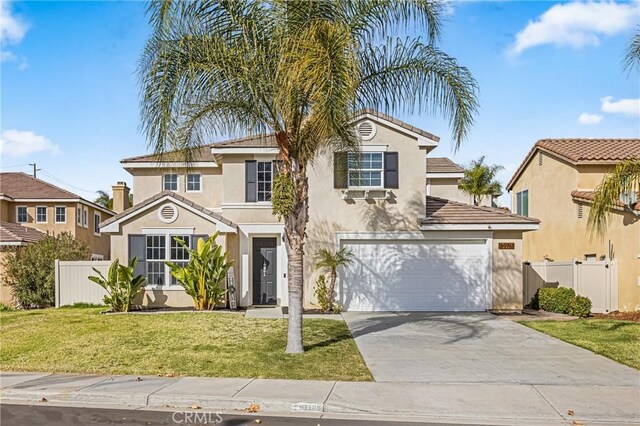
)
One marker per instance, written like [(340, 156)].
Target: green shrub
[(322, 293), (121, 286), (203, 278), (580, 307), (31, 271), (6, 308), (555, 299), (82, 305)]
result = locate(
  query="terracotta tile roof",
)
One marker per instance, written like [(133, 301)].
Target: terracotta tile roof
[(202, 153), (16, 233), (589, 196), (441, 211), (442, 165), (260, 141), (21, 185), (583, 151), (145, 203)]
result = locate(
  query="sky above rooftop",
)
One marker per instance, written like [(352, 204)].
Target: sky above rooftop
[(69, 90)]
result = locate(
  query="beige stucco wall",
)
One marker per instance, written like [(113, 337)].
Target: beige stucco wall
[(99, 244), (563, 236), (6, 293), (507, 271), (148, 182)]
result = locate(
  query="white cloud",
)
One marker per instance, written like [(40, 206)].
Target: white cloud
[(18, 143), (6, 56), (577, 24), (621, 106), (586, 118), (12, 27)]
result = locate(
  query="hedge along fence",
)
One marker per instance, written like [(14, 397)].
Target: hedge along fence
[(73, 284), (563, 301)]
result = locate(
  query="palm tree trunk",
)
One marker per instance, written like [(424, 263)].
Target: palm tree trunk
[(332, 289), (295, 224)]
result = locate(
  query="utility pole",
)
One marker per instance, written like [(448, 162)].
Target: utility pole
[(34, 169)]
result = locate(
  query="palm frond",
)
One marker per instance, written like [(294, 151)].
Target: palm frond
[(632, 54)]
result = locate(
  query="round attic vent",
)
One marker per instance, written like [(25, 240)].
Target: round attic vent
[(168, 213), (366, 130)]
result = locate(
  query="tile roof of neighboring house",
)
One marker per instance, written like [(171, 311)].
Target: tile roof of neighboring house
[(442, 165), (441, 211), (145, 203), (583, 151), (21, 186), (14, 233), (589, 196)]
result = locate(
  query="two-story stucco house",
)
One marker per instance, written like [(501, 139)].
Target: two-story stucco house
[(412, 251), (555, 184)]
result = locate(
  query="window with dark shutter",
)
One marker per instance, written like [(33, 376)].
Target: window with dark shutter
[(250, 173), (137, 246), (391, 170), (340, 170)]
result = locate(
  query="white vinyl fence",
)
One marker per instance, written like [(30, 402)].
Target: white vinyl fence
[(73, 284), (597, 280)]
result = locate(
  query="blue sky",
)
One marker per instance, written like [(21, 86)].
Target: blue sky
[(69, 94)]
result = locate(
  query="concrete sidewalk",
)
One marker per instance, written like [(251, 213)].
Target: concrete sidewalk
[(470, 403)]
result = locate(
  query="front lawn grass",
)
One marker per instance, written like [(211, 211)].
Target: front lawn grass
[(618, 340), (183, 344)]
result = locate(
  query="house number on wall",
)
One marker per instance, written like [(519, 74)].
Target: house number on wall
[(506, 246)]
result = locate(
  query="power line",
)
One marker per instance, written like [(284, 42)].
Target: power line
[(14, 167), (67, 183)]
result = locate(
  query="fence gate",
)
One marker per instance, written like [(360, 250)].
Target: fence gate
[(597, 280)]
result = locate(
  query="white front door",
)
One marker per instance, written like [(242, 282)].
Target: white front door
[(395, 275)]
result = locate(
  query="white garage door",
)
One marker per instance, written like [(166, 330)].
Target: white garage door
[(395, 275)]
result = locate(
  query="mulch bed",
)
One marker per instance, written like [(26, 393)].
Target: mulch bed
[(617, 315)]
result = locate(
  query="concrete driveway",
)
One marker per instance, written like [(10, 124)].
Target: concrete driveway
[(475, 348)]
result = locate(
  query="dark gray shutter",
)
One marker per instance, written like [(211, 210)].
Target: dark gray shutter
[(250, 175), (340, 170), (391, 170), (137, 248), (194, 240)]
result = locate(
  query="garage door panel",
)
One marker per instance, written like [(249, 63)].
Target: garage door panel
[(415, 276)]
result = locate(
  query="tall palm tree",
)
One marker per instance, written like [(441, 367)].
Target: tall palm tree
[(104, 199), (480, 180), (624, 180), (331, 261), (300, 70)]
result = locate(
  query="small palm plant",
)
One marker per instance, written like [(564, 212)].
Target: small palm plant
[(121, 286), (204, 276), (480, 180), (332, 260)]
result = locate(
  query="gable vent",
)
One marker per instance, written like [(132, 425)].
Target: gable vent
[(579, 211), (539, 159), (168, 213), (366, 130)]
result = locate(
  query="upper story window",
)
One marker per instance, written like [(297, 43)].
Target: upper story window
[(265, 175), (21, 214), (61, 214), (41, 214), (258, 180), (96, 223), (367, 172), (194, 182), (79, 215), (170, 182), (85, 217), (522, 203)]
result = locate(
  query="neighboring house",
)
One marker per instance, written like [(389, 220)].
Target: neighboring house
[(32, 203), (443, 177), (555, 184), (411, 251)]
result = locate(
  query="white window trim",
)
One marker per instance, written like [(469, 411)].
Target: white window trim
[(186, 182), (516, 200), (46, 214), (96, 223), (79, 214), (85, 217), (381, 186), (265, 161), (167, 249), (177, 182), (17, 214), (55, 214)]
